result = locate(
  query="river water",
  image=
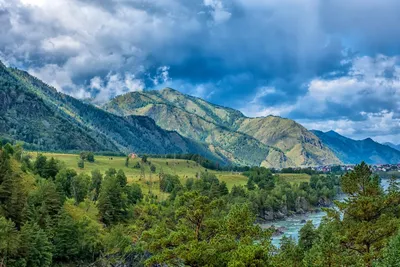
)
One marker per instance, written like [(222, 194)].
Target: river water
[(293, 224)]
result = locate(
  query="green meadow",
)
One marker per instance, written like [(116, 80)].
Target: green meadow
[(183, 168), (150, 180)]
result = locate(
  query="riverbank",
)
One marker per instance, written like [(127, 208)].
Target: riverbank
[(290, 226)]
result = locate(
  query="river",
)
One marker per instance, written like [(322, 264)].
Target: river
[(293, 224)]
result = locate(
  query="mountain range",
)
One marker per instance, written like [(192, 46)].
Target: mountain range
[(354, 151), (280, 142), (166, 122), (45, 119), (397, 147)]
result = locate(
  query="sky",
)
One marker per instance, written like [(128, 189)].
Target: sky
[(328, 64)]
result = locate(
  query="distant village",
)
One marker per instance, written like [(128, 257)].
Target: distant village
[(350, 167)]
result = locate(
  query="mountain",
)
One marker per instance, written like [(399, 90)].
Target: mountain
[(271, 141), (45, 119), (397, 147), (354, 151)]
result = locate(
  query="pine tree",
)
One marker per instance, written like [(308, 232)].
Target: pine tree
[(121, 178), (97, 179), (368, 220), (112, 202), (80, 187), (9, 241), (36, 248)]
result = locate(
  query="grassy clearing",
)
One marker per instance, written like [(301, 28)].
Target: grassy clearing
[(183, 168)]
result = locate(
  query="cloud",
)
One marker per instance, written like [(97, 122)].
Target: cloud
[(113, 85), (365, 102), (315, 60)]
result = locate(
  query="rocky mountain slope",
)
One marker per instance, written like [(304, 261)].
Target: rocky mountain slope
[(289, 143), (354, 151), (45, 119)]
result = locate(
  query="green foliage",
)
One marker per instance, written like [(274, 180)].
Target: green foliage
[(137, 165), (97, 179), (153, 168), (262, 177), (391, 253), (44, 204), (64, 181), (36, 248), (112, 202), (121, 178), (46, 168), (46, 222), (307, 236), (9, 241), (134, 193), (81, 163), (80, 187), (169, 183)]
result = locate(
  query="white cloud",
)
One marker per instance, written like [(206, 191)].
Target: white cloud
[(364, 103), (219, 13), (114, 85)]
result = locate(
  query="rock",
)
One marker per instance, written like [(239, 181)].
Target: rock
[(303, 221), (279, 215), (268, 215)]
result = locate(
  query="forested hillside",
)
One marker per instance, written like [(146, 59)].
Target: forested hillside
[(52, 216)]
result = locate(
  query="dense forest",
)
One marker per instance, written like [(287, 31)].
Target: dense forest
[(53, 216)]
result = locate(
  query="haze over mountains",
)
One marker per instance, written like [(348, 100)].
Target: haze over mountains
[(167, 121)]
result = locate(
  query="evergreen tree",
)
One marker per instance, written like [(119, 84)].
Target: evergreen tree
[(36, 248), (127, 161), (63, 181), (394, 187), (391, 253), (80, 187), (134, 193), (307, 236), (250, 184), (97, 179), (368, 220), (112, 202), (40, 165), (81, 164), (9, 241), (51, 169), (121, 178), (223, 189), (90, 157), (66, 239), (44, 204)]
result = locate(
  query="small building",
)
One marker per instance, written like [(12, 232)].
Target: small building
[(133, 156)]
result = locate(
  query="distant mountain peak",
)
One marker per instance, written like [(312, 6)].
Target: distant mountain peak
[(389, 144), (354, 151), (169, 89)]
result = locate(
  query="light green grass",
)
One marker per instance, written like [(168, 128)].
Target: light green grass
[(183, 168)]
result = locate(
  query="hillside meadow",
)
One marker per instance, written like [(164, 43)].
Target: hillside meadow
[(183, 168)]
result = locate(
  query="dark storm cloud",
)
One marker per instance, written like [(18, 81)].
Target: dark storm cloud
[(293, 58)]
